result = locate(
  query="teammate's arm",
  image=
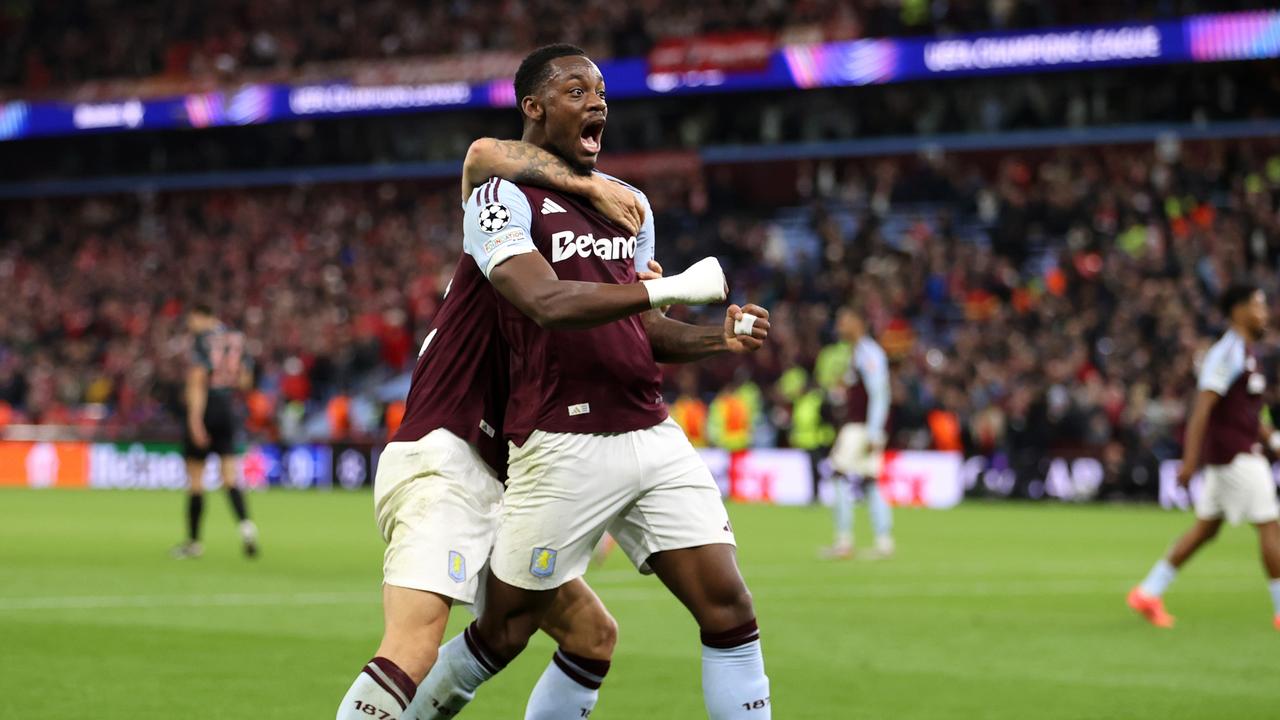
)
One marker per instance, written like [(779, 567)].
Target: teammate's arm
[(1194, 440), (197, 396), (673, 341), (522, 162)]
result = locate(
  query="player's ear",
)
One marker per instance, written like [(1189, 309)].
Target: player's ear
[(531, 107)]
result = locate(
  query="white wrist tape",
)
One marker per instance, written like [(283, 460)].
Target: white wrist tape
[(702, 283), (743, 325)]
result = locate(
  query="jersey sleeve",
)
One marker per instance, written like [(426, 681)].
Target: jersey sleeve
[(1222, 365), (497, 225), (645, 241), (873, 365)]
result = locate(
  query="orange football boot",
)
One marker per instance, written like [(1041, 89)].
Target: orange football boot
[(1151, 608)]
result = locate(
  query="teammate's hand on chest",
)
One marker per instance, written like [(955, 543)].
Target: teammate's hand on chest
[(617, 203)]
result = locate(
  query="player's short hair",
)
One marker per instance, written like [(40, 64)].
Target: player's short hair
[(202, 308), (534, 69), (1238, 293)]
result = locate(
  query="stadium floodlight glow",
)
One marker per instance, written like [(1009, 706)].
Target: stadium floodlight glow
[(1238, 36), (13, 120)]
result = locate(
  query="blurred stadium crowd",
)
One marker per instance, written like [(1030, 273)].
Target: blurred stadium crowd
[(1031, 301), (46, 45)]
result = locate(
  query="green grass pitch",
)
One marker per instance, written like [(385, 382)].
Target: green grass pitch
[(988, 611)]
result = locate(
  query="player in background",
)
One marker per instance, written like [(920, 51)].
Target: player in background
[(219, 371), (592, 446), (438, 491), (858, 452), (1225, 432)]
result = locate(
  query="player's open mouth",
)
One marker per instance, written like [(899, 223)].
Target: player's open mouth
[(591, 133)]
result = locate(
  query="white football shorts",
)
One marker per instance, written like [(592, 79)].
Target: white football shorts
[(852, 454), (1242, 491), (648, 488), (437, 504)]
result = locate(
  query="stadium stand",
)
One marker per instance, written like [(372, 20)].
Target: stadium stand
[(1050, 300), (55, 45)]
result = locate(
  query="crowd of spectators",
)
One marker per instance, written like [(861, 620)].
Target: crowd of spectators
[(60, 44), (329, 284), (1075, 327), (1052, 300)]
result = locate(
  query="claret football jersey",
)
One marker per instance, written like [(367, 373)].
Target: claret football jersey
[(1231, 370), (598, 380), (460, 380)]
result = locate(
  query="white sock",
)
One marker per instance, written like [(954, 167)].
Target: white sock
[(844, 512), (452, 683), (382, 686), (881, 515), (568, 688), (1158, 579), (734, 686), (248, 531), (1274, 585)]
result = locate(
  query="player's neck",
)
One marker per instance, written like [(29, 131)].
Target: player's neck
[(536, 135), (1243, 332)]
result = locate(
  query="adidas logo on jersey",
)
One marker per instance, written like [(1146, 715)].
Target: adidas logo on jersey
[(550, 207), (565, 245)]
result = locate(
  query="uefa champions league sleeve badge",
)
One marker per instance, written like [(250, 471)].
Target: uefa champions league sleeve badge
[(494, 217)]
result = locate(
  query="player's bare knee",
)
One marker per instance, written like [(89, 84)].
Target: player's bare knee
[(510, 643), (230, 474), (741, 606), (731, 594), (726, 607), (597, 638), (415, 653), (606, 636), (507, 636)]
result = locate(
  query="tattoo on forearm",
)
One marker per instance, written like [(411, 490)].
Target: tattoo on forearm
[(535, 166)]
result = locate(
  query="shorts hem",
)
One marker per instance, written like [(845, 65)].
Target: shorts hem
[(642, 564), (534, 584), (1269, 517), (454, 594)]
